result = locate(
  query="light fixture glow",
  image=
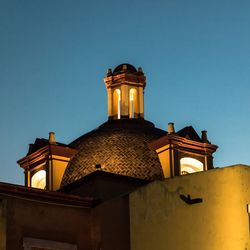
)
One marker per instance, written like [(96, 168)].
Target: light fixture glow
[(190, 165), (132, 93), (38, 180), (118, 92)]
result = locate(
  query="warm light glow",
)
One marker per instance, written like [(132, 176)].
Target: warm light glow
[(190, 165), (118, 91), (38, 180), (132, 93)]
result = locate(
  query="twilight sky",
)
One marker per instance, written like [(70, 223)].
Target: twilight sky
[(55, 53)]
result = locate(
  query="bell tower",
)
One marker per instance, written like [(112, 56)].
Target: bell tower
[(125, 88)]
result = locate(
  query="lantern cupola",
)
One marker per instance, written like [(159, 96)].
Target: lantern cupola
[(125, 87)]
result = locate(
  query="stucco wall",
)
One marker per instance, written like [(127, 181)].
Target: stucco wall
[(39, 220), (160, 220)]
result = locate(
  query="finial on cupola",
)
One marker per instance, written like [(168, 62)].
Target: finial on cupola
[(171, 129), (204, 136), (52, 138)]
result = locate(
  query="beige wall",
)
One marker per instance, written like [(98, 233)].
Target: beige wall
[(59, 165), (166, 160), (160, 220)]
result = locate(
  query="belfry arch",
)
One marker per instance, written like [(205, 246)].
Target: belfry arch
[(133, 103), (117, 103)]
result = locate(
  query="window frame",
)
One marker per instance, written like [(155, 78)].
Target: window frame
[(28, 243)]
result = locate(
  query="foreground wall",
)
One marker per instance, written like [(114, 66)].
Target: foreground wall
[(27, 222), (160, 219)]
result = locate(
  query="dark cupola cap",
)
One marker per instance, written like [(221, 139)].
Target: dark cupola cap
[(125, 67)]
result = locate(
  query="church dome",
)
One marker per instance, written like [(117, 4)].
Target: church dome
[(117, 146)]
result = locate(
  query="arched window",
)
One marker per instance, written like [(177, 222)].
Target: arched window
[(190, 165), (38, 180), (117, 103), (132, 102)]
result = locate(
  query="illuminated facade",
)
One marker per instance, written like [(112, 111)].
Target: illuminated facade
[(126, 144), (126, 185)]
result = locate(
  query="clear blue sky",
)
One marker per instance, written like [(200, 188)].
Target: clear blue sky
[(55, 53)]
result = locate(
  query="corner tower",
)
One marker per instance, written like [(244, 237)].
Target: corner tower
[(184, 152), (125, 88), (45, 163)]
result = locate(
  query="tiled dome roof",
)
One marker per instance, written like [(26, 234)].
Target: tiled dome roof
[(117, 146)]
